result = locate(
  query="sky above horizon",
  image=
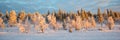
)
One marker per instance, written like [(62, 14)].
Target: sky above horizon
[(43, 6)]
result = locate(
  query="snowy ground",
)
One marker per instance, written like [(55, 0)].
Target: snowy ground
[(13, 34)]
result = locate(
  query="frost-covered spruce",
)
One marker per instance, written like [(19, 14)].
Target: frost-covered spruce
[(22, 15), (52, 21), (33, 18), (21, 26), (2, 25), (72, 25), (68, 21), (40, 25), (49, 18), (64, 25), (87, 24), (78, 23), (93, 23), (43, 24), (6, 17), (12, 18), (110, 23), (36, 20)]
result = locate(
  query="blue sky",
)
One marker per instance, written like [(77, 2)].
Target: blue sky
[(68, 5)]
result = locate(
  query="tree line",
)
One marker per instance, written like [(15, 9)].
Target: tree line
[(12, 18)]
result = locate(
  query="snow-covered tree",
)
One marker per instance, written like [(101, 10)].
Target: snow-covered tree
[(72, 25), (89, 14), (21, 26), (100, 17), (116, 16), (53, 22), (86, 24), (12, 18), (35, 21), (78, 23), (2, 25), (64, 24), (22, 15), (43, 24), (6, 17), (108, 13), (82, 14), (1, 14), (105, 14), (29, 14), (110, 23), (93, 23), (78, 12), (33, 18)]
